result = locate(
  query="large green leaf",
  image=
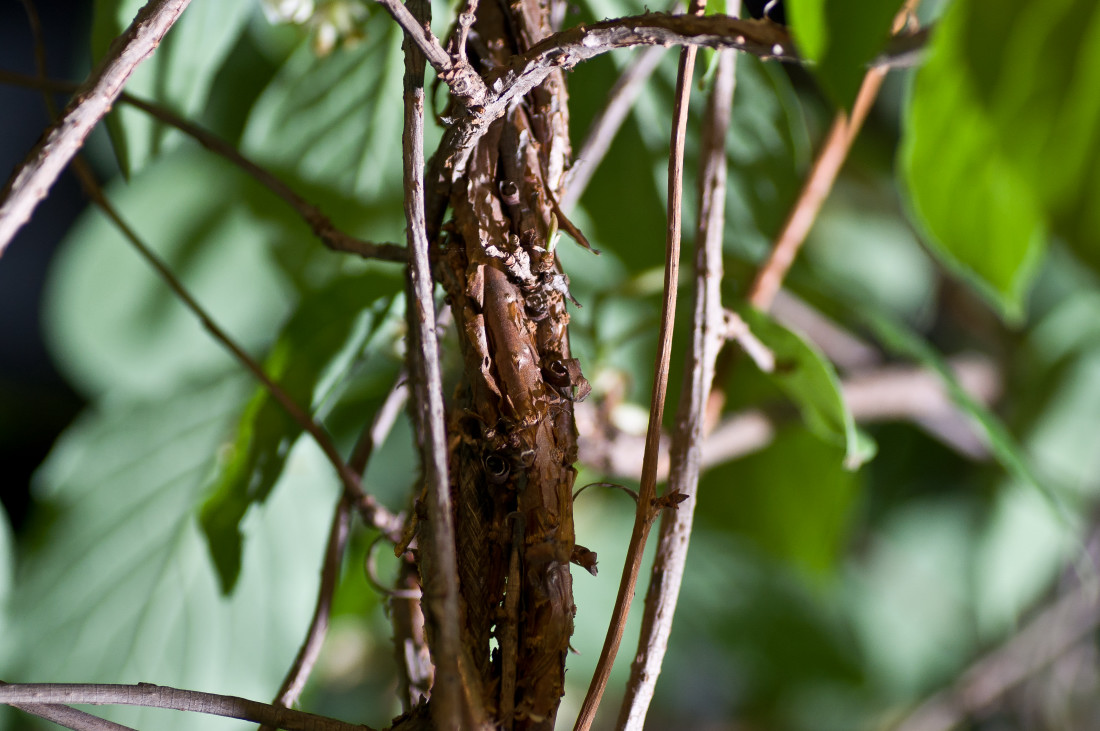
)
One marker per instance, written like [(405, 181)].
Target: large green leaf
[(840, 37), (7, 565), (1003, 145), (178, 75), (118, 587), (325, 336), (810, 381), (113, 324)]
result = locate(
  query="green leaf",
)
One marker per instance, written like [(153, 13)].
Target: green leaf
[(325, 336), (178, 75), (900, 340), (1003, 146), (118, 586), (841, 37), (810, 381), (334, 120), (794, 500), (113, 324)]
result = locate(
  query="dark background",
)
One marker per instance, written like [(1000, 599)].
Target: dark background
[(35, 402)]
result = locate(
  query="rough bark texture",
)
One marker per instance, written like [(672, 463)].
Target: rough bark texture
[(512, 434)]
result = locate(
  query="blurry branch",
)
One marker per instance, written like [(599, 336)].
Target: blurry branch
[(891, 393), (320, 224), (415, 671), (647, 494), (373, 435), (453, 707), (92, 100), (604, 128), (708, 325), (68, 717), (159, 696), (1056, 630)]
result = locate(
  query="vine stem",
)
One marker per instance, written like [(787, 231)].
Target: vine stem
[(162, 696), (687, 439), (92, 101), (647, 494)]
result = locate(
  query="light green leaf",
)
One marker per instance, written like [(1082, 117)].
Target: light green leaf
[(7, 567), (810, 381), (112, 323), (1003, 143), (178, 75), (325, 336), (841, 37), (118, 586)]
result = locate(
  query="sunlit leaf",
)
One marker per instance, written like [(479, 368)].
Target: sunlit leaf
[(118, 586), (326, 334), (1003, 146)]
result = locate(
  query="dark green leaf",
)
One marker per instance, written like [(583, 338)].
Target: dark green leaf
[(810, 381), (897, 338), (840, 37), (179, 75), (1004, 139), (322, 339), (119, 588), (793, 499)]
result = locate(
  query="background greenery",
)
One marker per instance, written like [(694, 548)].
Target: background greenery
[(816, 597)]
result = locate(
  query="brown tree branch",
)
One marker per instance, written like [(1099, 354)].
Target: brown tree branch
[(92, 101), (647, 494), (452, 707), (687, 439), (160, 696)]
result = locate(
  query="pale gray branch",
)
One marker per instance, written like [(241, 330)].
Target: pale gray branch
[(91, 102), (708, 327), (159, 696)]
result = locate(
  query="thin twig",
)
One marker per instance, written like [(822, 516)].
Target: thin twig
[(687, 439), (68, 717), (647, 492), (92, 101), (295, 681), (452, 708), (605, 127), (814, 192), (379, 516), (321, 225), (161, 696)]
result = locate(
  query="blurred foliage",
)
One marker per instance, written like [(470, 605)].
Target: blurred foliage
[(816, 597)]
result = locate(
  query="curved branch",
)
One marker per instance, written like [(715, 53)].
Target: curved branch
[(160, 696), (90, 103)]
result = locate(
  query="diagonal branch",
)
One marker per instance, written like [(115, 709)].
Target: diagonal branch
[(160, 696), (68, 717), (647, 494), (687, 439), (321, 225), (91, 102)]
